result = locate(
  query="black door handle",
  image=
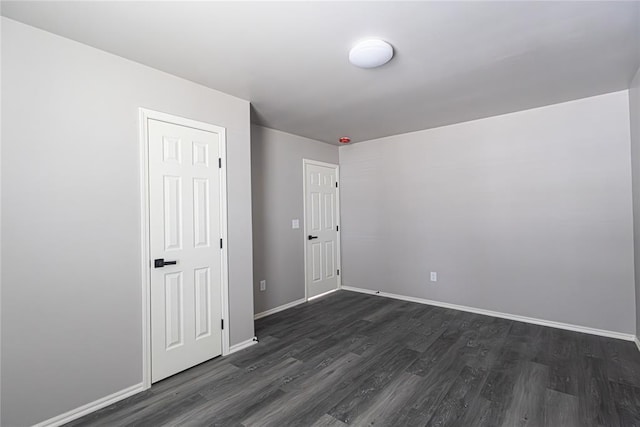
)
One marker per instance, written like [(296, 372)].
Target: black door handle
[(160, 262), (312, 237)]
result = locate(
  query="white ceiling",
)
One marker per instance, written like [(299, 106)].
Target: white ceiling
[(455, 61)]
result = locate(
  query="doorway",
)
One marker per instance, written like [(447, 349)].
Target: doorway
[(184, 243), (322, 227)]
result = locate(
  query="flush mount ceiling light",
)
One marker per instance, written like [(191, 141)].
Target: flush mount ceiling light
[(371, 53)]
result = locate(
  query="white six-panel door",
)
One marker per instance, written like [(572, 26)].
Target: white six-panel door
[(185, 227), (321, 228)]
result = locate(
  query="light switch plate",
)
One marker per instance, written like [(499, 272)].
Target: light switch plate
[(295, 223)]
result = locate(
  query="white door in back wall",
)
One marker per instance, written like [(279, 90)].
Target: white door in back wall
[(184, 244), (322, 243)]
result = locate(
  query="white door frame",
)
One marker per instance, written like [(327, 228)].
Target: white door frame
[(306, 162), (145, 259)]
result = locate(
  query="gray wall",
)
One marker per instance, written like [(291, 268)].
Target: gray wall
[(0, 230), (634, 113), (71, 306), (278, 250), (527, 213)]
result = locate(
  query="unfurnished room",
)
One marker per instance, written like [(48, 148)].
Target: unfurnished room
[(320, 213)]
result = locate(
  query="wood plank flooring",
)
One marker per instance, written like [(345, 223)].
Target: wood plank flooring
[(361, 360)]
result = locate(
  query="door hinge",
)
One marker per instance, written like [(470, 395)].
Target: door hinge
[(221, 323), (336, 184), (337, 228), (220, 162), (220, 243), (338, 272)]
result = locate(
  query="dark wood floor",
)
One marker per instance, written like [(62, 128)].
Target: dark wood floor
[(363, 360)]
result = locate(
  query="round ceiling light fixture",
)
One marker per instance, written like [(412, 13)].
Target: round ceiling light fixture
[(371, 53)]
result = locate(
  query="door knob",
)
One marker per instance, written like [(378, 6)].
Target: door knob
[(312, 237), (160, 262)]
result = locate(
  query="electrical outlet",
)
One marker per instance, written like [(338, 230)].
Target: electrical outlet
[(263, 285), (434, 276)]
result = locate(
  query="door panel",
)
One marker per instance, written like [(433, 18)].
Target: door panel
[(321, 207), (329, 211), (203, 303), (329, 257), (172, 213), (185, 214), (174, 310), (201, 214)]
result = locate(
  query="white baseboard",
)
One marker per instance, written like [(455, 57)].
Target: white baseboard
[(280, 308), (242, 345), (549, 323), (83, 410), (637, 341), (323, 294)]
